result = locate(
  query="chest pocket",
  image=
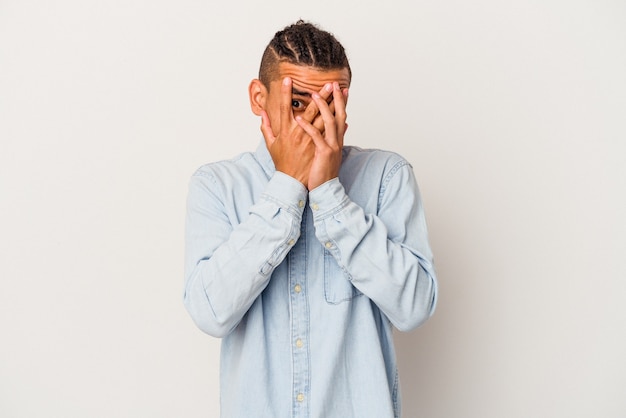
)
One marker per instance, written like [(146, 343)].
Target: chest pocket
[(337, 287)]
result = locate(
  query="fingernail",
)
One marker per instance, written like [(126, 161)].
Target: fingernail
[(286, 81), (328, 87)]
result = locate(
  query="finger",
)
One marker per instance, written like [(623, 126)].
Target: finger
[(339, 98), (312, 131), (332, 103), (318, 123), (286, 112), (312, 109), (330, 126)]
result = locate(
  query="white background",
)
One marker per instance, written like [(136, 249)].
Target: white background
[(512, 113)]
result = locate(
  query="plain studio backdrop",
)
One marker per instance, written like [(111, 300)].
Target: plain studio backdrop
[(512, 114)]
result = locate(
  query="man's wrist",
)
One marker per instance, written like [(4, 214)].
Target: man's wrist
[(302, 179)]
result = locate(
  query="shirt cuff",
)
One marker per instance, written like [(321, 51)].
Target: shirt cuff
[(286, 191), (327, 199)]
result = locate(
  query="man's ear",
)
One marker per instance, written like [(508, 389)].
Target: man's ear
[(258, 94)]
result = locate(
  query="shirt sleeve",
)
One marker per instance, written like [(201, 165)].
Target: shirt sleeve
[(385, 255), (228, 264)]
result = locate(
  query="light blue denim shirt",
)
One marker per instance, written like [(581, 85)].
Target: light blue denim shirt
[(306, 287)]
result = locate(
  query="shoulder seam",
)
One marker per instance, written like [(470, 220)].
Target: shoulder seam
[(383, 187)]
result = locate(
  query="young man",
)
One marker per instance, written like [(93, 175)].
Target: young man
[(305, 254)]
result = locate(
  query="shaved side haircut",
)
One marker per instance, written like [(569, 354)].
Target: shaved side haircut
[(302, 44)]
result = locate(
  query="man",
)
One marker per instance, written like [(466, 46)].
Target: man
[(305, 254)]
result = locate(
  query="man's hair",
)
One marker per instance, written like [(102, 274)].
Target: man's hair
[(302, 44)]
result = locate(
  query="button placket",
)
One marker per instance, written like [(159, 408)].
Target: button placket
[(299, 318)]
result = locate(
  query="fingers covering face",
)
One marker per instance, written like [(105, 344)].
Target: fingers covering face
[(334, 115), (286, 99), (321, 114)]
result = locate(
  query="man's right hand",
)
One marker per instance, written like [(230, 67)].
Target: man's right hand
[(292, 149)]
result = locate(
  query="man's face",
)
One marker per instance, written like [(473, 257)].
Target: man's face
[(306, 81)]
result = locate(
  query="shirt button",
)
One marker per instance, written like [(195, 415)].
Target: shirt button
[(301, 203), (314, 206), (297, 288), (291, 242), (328, 244), (299, 343), (300, 397)]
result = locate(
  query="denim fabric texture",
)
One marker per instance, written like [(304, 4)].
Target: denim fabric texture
[(305, 288)]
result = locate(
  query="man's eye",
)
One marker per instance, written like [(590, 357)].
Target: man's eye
[(297, 104)]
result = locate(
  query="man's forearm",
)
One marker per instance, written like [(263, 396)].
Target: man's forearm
[(386, 256), (227, 267)]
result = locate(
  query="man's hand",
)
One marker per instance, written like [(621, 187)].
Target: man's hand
[(293, 149), (329, 141)]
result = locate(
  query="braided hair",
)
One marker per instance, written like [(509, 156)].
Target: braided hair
[(302, 44)]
